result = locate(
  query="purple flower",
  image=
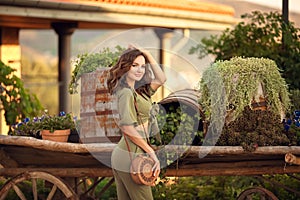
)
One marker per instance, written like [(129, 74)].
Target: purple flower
[(41, 118), (26, 120), (286, 127), (62, 113), (17, 125)]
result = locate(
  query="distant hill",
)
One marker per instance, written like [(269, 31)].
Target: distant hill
[(45, 42), (242, 7)]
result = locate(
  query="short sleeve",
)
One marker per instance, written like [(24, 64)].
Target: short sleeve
[(126, 108)]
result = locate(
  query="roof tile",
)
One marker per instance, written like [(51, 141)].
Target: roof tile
[(186, 5)]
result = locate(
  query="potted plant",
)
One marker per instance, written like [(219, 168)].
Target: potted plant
[(245, 100), (49, 127), (241, 82)]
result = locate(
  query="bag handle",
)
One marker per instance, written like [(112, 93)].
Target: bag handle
[(139, 119), (127, 144)]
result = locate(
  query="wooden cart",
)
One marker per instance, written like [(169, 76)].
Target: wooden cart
[(65, 166)]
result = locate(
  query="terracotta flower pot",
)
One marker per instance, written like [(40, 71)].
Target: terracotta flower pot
[(57, 136)]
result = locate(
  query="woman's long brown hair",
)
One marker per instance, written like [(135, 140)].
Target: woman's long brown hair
[(118, 73)]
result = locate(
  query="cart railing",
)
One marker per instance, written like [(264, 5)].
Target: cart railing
[(18, 154)]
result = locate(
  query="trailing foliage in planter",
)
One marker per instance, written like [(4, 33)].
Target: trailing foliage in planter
[(16, 100), (235, 83), (86, 63)]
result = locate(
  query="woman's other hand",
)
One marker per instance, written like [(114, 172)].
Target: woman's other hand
[(156, 166)]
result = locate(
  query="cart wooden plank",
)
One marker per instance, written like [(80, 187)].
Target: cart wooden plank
[(19, 154)]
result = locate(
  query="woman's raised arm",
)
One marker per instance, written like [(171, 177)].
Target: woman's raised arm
[(159, 75)]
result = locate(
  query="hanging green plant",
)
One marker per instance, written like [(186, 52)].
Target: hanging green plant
[(86, 63), (234, 84)]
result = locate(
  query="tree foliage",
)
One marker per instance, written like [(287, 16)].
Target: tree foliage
[(258, 35), (17, 102)]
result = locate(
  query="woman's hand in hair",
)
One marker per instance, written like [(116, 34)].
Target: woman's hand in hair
[(132, 46), (159, 75)]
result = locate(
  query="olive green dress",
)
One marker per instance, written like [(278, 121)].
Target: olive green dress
[(127, 189)]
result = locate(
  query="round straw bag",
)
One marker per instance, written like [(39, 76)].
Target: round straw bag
[(141, 170)]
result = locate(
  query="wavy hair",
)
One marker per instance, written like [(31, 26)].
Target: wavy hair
[(117, 74)]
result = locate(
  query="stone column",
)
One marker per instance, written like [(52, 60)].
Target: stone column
[(64, 32), (10, 50), (10, 54)]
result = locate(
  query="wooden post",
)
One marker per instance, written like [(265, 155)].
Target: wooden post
[(285, 15), (285, 10), (64, 31)]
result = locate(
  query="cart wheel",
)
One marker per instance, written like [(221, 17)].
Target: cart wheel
[(257, 193), (57, 188)]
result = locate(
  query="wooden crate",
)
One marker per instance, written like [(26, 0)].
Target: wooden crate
[(98, 109)]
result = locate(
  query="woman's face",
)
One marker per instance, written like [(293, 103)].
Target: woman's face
[(137, 70)]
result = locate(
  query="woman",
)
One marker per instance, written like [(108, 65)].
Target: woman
[(132, 83)]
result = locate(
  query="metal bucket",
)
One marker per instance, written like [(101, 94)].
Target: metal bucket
[(189, 98)]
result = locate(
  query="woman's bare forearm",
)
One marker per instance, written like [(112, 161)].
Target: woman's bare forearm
[(159, 75), (136, 138)]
